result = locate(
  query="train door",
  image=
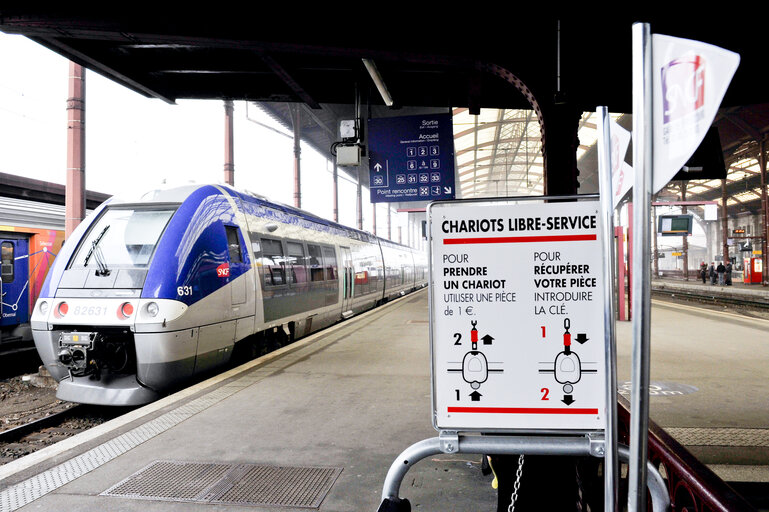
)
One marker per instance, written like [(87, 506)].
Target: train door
[(237, 265), (14, 253), (347, 281)]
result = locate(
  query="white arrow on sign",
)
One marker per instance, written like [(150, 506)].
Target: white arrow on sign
[(378, 167), (447, 190)]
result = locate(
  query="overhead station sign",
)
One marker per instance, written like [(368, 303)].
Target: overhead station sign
[(516, 319), (411, 158)]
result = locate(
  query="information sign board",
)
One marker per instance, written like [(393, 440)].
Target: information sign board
[(516, 316), (411, 158)]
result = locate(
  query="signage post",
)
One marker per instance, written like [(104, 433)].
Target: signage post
[(607, 154), (678, 85)]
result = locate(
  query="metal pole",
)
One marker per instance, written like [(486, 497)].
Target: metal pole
[(619, 234), (630, 268), (389, 223), (359, 208), (373, 217), (655, 252), (611, 473), (297, 158), (229, 145), (336, 192), (685, 241), (724, 223), (643, 163), (74, 195), (764, 211)]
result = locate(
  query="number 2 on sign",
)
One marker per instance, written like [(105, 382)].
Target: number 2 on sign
[(545, 392)]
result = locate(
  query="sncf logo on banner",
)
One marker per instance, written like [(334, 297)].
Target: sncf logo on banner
[(683, 91), (690, 80)]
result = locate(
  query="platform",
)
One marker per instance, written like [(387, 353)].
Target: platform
[(330, 413), (736, 291)]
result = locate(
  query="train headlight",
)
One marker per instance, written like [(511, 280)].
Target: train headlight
[(125, 310), (152, 309), (65, 357), (43, 307), (61, 310)]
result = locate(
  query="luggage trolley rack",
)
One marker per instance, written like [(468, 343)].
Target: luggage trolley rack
[(543, 387), (450, 442)]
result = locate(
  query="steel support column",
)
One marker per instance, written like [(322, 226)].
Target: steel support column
[(685, 242), (75, 191), (389, 223), (373, 217), (764, 211), (336, 192), (297, 157), (655, 251), (229, 145), (724, 224), (359, 199)]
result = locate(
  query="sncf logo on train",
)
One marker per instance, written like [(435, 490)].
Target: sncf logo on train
[(223, 270)]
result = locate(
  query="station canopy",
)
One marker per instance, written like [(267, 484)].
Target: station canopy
[(494, 81)]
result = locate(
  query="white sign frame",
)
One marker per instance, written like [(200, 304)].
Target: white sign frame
[(494, 413)]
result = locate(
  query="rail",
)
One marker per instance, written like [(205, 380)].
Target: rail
[(692, 486)]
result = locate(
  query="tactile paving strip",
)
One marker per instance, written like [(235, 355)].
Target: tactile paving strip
[(229, 484), (720, 436), (23, 493)]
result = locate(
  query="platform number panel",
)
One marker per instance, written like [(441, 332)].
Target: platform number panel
[(517, 317)]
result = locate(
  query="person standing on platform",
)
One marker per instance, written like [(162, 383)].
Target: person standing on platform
[(721, 269), (703, 271), (712, 272), (729, 273)]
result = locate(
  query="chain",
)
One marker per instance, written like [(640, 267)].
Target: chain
[(580, 496), (516, 485)]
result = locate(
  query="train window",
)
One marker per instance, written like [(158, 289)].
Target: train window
[(315, 262), (122, 238), (233, 244), (7, 262), (273, 263), (296, 258), (329, 260)]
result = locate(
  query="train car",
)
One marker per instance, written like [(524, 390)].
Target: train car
[(31, 234), (148, 294)]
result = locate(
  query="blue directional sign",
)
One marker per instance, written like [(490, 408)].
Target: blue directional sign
[(411, 158)]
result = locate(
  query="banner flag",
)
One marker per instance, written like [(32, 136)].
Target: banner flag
[(690, 79), (622, 176)]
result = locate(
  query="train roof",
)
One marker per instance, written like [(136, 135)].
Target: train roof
[(178, 194)]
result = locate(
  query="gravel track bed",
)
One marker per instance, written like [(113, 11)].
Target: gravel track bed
[(21, 403)]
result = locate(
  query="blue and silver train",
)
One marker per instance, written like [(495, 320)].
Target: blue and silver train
[(147, 295)]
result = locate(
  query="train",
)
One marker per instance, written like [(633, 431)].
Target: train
[(31, 234), (150, 293)]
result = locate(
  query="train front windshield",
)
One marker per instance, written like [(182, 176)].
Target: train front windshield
[(122, 238)]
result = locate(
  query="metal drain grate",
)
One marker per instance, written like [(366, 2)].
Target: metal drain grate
[(229, 484)]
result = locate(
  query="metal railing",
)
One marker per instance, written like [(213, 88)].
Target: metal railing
[(692, 486)]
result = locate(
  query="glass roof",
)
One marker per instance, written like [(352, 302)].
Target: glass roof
[(499, 153)]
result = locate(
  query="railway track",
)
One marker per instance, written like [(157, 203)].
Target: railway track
[(51, 416), (31, 418), (712, 298)]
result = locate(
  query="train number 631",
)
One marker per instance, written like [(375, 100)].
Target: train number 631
[(183, 291)]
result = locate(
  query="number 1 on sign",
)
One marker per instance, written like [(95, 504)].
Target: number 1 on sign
[(543, 331)]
